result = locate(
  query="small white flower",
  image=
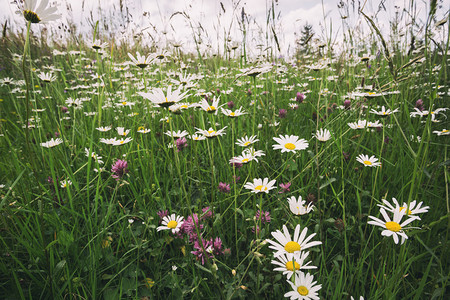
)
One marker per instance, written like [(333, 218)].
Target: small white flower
[(298, 207)]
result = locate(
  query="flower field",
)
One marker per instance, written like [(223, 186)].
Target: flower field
[(144, 172)]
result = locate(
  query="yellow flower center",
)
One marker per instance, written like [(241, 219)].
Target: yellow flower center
[(444, 130), (302, 290), (211, 108), (289, 146), (124, 103), (261, 188), (211, 131), (121, 142), (183, 106), (31, 16), (290, 265), (246, 144), (368, 162), (232, 114), (172, 224), (245, 160), (408, 213), (393, 226), (292, 246)]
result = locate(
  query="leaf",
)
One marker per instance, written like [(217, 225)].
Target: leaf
[(330, 181)]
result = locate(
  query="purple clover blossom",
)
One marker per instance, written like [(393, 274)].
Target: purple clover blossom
[(161, 214), (347, 104), (200, 254), (300, 97), (181, 143), (264, 216), (284, 188), (282, 113), (188, 228), (207, 212), (230, 104), (224, 187), (419, 105), (119, 169)]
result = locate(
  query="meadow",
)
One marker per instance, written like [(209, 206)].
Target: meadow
[(150, 173)]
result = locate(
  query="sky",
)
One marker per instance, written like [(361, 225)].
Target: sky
[(218, 20)]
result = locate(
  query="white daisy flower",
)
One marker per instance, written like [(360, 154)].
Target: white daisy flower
[(196, 137), (289, 262), (39, 13), (246, 141), (442, 132), (298, 207), (210, 108), (260, 185), (304, 288), (52, 143), (143, 130), (290, 143), (140, 61), (368, 161), (176, 134), (410, 209), (65, 183), (211, 133), (287, 245), (93, 155), (104, 129), (361, 124), (47, 77), (172, 222), (323, 135), (121, 131), (233, 114), (392, 228), (156, 96), (383, 112), (121, 141)]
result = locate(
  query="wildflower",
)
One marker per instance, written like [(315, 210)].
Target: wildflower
[(35, 13), (65, 183), (383, 112), (156, 96), (121, 141), (207, 212), (290, 143), (284, 188), (93, 155), (121, 131), (260, 185), (104, 129), (230, 104), (210, 108), (298, 207), (323, 135), (224, 187), (243, 159), (52, 143), (233, 114), (47, 77), (140, 61), (358, 125), (289, 263), (410, 209), (287, 245), (419, 105), (304, 288), (143, 130), (181, 143), (300, 97), (282, 113), (200, 254), (264, 216), (189, 225), (177, 134), (211, 133), (197, 137), (392, 228), (442, 132), (162, 213), (97, 45), (171, 222), (368, 162), (119, 169), (246, 141)]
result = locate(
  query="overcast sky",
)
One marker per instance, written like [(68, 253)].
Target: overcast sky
[(217, 17)]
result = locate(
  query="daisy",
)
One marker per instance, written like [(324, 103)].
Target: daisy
[(211, 133), (125, 103), (52, 143), (93, 155), (171, 222), (260, 185), (177, 134), (288, 262), (298, 207), (410, 209), (287, 245), (246, 141), (323, 135), (243, 159), (392, 228), (361, 124), (104, 129), (304, 288), (442, 132), (233, 114), (97, 45), (156, 96), (196, 137), (143, 130), (121, 131), (121, 141), (204, 104), (374, 124), (368, 162), (47, 77), (290, 143), (108, 141), (253, 152), (65, 183), (140, 61), (383, 112), (35, 13)]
